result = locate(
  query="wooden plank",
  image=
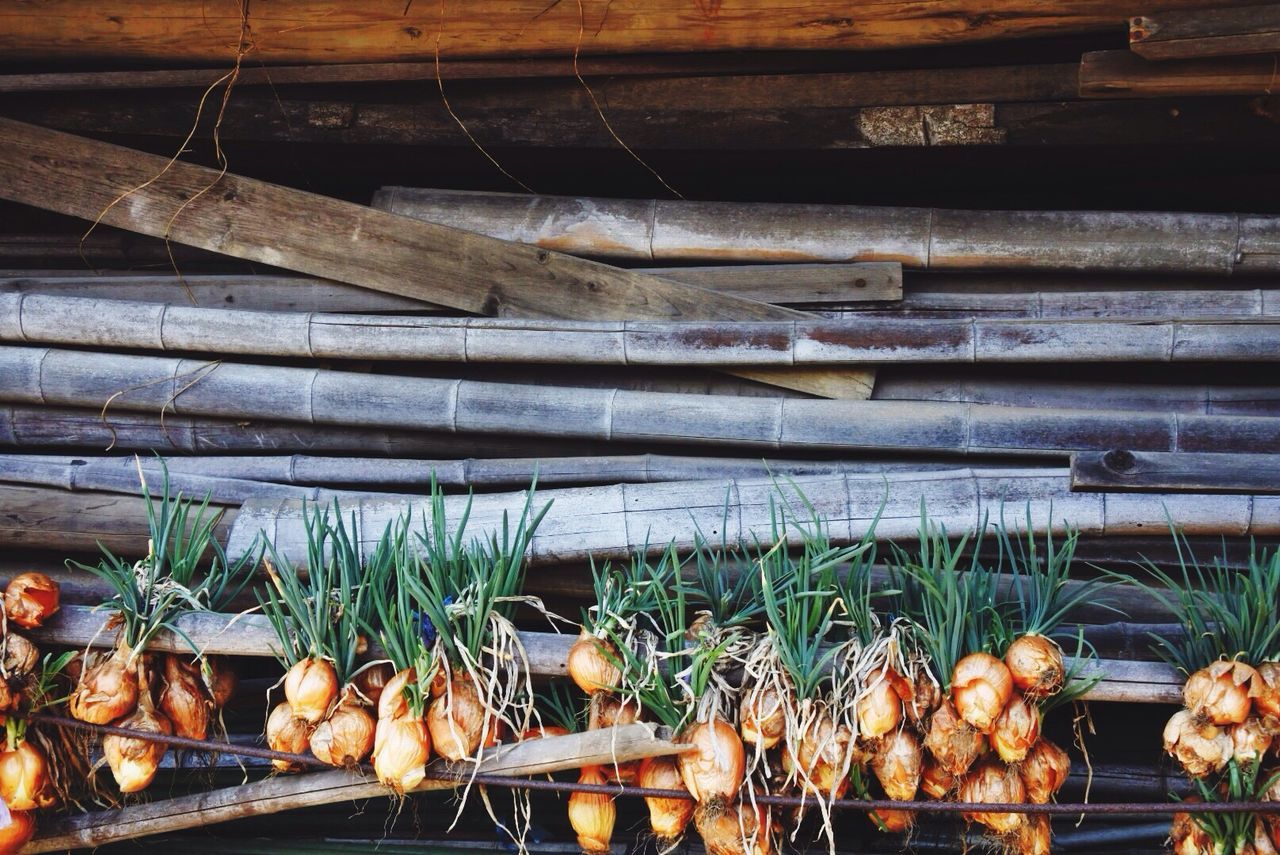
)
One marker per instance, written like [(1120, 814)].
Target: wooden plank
[(350, 243), (918, 238), (336, 31), (1145, 471), (1222, 31), (289, 792), (1124, 74)]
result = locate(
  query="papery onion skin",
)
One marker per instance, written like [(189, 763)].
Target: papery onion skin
[(926, 697), (668, 818), (823, 754), (981, 685), (311, 687), (762, 718), (134, 761), (106, 691), (456, 720), (897, 763), (1219, 694), (935, 781), (879, 710), (392, 700), (952, 741), (183, 699), (1016, 730), (24, 776), (1044, 771), (1201, 750), (1264, 691), (590, 666), (992, 782), (893, 821), (403, 746), (1272, 794), (1262, 842), (1035, 837), (1035, 664), (21, 656), (15, 835), (31, 599), (222, 680), (543, 731), (592, 815), (608, 710), (1250, 741), (372, 680), (346, 737), (713, 773), (734, 830), (1186, 835), (288, 733)]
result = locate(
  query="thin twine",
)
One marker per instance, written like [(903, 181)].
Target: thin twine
[(102, 415)]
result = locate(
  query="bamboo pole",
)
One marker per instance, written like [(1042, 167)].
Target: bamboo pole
[(1122, 470), (27, 318), (1130, 242), (223, 389)]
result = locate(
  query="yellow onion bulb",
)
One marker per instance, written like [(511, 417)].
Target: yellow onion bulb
[(926, 695), (1035, 664), (893, 821), (897, 764), (822, 755), (1016, 730), (1201, 750), (1219, 694), (592, 815), (1187, 836), (667, 817), (21, 656), (737, 830), (403, 746), (981, 685), (1264, 691), (221, 680), (372, 680), (1262, 842), (393, 702), (935, 781), (15, 834), (762, 718), (992, 782), (1035, 837), (31, 599), (106, 691), (286, 732), (879, 710), (1272, 794), (714, 770), (952, 741), (24, 776), (1044, 771), (608, 710), (311, 687), (456, 720), (1250, 741), (134, 761), (183, 699), (345, 737), (590, 665), (543, 731)]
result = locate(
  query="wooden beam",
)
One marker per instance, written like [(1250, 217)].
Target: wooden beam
[(339, 240), (336, 31), (1221, 31), (1124, 74), (1150, 472), (289, 792)]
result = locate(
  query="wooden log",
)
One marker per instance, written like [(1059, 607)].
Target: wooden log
[(919, 238), (280, 793), (336, 31), (1123, 74), (243, 218), (1189, 33), (318, 396), (1143, 471), (27, 318)]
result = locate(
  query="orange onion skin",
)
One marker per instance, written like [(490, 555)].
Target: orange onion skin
[(994, 783), (667, 817), (1264, 691), (893, 821), (106, 691), (1262, 842), (543, 731), (762, 718), (926, 696), (311, 687), (1035, 837), (1200, 749), (1016, 730), (24, 776), (607, 710), (372, 680), (981, 685), (392, 700), (1219, 694), (456, 720), (134, 761), (402, 748), (713, 772), (31, 599), (1250, 740), (823, 750), (21, 657), (879, 710), (952, 741), (1044, 771), (590, 666), (592, 815), (1035, 665), (346, 736), (1186, 835), (897, 764), (286, 732), (15, 835), (183, 699), (1272, 794), (222, 680), (736, 829), (935, 781)]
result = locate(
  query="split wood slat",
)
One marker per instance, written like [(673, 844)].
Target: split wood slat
[(1145, 471), (289, 792), (28, 318), (197, 387), (339, 31), (1124, 74), (1222, 31), (252, 635), (339, 240), (919, 238)]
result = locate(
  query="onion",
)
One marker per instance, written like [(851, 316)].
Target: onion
[(403, 746), (926, 695), (1035, 664), (24, 776), (898, 765), (1186, 835), (346, 736), (1262, 842), (952, 742), (372, 680), (936, 782), (1250, 741), (310, 687), (606, 710), (222, 680), (543, 731), (739, 830), (1200, 750), (183, 699), (879, 710), (1044, 771), (592, 814), (981, 685), (1272, 794), (1265, 693), (1035, 837), (1016, 730), (134, 761), (590, 665), (714, 770), (392, 701), (21, 657), (106, 691), (456, 720), (823, 754), (762, 718), (893, 821), (1219, 694), (8, 698), (667, 817), (286, 732), (15, 834), (992, 782), (31, 599)]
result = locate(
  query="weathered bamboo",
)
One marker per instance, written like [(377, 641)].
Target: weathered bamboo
[(223, 389), (27, 318), (275, 794), (1123, 74), (1143, 471), (1130, 242)]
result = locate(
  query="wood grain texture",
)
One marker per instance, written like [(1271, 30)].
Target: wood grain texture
[(333, 31), (1123, 74), (1221, 31), (1144, 471), (350, 243)]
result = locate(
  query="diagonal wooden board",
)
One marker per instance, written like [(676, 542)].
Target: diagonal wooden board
[(313, 234)]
